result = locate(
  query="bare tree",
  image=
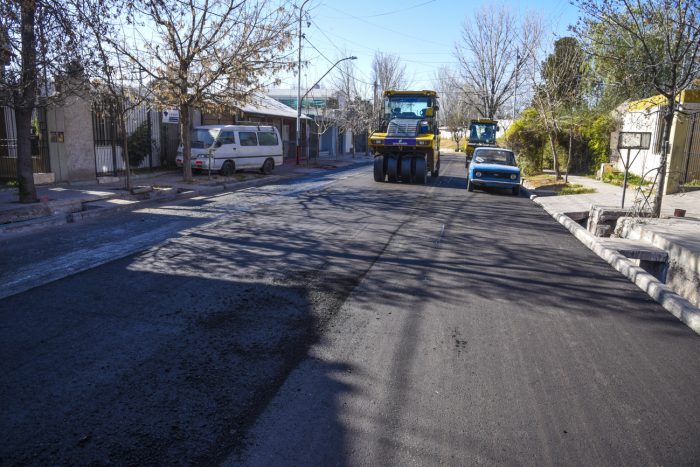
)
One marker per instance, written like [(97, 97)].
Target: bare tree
[(208, 54), (556, 81), (663, 35), (489, 58), (355, 110), (42, 41), (455, 110), (388, 72), (116, 85), (324, 115)]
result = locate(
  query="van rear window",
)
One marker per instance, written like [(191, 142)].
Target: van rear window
[(248, 138), (267, 138)]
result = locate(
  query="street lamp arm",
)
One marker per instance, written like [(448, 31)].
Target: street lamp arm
[(324, 75)]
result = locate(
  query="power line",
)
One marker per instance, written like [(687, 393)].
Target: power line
[(422, 39), (333, 63)]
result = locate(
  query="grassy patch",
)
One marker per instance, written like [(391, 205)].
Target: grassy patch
[(550, 183), (574, 189), (450, 144), (543, 180), (616, 178), (9, 184), (692, 183)]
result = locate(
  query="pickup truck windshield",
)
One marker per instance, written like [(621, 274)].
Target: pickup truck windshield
[(494, 156)]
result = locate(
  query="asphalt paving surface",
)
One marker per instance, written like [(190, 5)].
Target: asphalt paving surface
[(337, 321)]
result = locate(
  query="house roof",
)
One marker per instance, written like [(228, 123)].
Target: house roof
[(261, 104), (687, 96)]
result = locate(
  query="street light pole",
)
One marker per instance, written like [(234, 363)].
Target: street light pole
[(298, 139), (307, 93), (324, 75)]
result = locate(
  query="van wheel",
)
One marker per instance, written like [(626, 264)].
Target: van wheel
[(268, 166), (227, 169)]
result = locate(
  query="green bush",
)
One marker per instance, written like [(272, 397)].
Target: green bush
[(527, 136), (139, 144), (548, 158), (596, 131), (617, 178)]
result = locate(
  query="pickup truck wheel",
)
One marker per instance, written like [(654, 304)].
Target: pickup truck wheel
[(516, 190), (421, 173), (392, 168), (406, 174), (227, 169), (379, 172), (470, 185), (268, 166)]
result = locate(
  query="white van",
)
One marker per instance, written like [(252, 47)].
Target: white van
[(234, 147)]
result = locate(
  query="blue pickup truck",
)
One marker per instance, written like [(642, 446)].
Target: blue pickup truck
[(493, 167)]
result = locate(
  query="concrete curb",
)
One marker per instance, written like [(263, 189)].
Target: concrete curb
[(667, 298)]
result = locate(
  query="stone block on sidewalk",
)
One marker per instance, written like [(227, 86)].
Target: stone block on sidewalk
[(602, 219), (44, 178), (102, 180)]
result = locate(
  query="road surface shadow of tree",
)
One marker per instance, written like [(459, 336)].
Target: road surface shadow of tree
[(171, 372), (169, 356)]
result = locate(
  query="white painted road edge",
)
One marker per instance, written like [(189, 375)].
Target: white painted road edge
[(667, 298)]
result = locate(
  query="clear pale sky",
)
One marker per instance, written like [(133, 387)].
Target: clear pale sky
[(421, 32)]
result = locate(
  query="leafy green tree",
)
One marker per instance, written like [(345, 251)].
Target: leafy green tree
[(655, 42)]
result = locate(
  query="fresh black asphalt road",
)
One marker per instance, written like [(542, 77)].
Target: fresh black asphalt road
[(338, 321)]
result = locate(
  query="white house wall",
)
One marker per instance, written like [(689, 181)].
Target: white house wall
[(646, 161)]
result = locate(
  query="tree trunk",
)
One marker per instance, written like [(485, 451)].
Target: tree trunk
[(186, 143), (125, 145), (668, 120), (25, 104), (568, 160), (555, 162)]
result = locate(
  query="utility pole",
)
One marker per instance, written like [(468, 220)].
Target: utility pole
[(515, 91), (298, 138), (375, 111)]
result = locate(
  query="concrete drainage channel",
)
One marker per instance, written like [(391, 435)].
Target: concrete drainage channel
[(649, 275)]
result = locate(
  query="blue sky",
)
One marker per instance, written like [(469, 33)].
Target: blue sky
[(421, 32)]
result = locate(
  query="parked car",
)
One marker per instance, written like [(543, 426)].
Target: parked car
[(228, 148), (493, 167)]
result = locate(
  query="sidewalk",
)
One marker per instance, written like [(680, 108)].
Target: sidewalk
[(678, 237), (64, 203)]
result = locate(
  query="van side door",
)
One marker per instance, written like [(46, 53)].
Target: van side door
[(226, 149), (249, 153)]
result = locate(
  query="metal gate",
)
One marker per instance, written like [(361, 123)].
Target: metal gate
[(8, 143), (691, 169), (143, 130)]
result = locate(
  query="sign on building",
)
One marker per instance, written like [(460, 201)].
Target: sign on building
[(171, 116)]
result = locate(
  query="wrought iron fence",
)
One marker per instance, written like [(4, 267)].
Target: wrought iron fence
[(691, 169), (143, 138), (8, 143)]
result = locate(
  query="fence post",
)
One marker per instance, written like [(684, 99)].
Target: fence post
[(113, 137)]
